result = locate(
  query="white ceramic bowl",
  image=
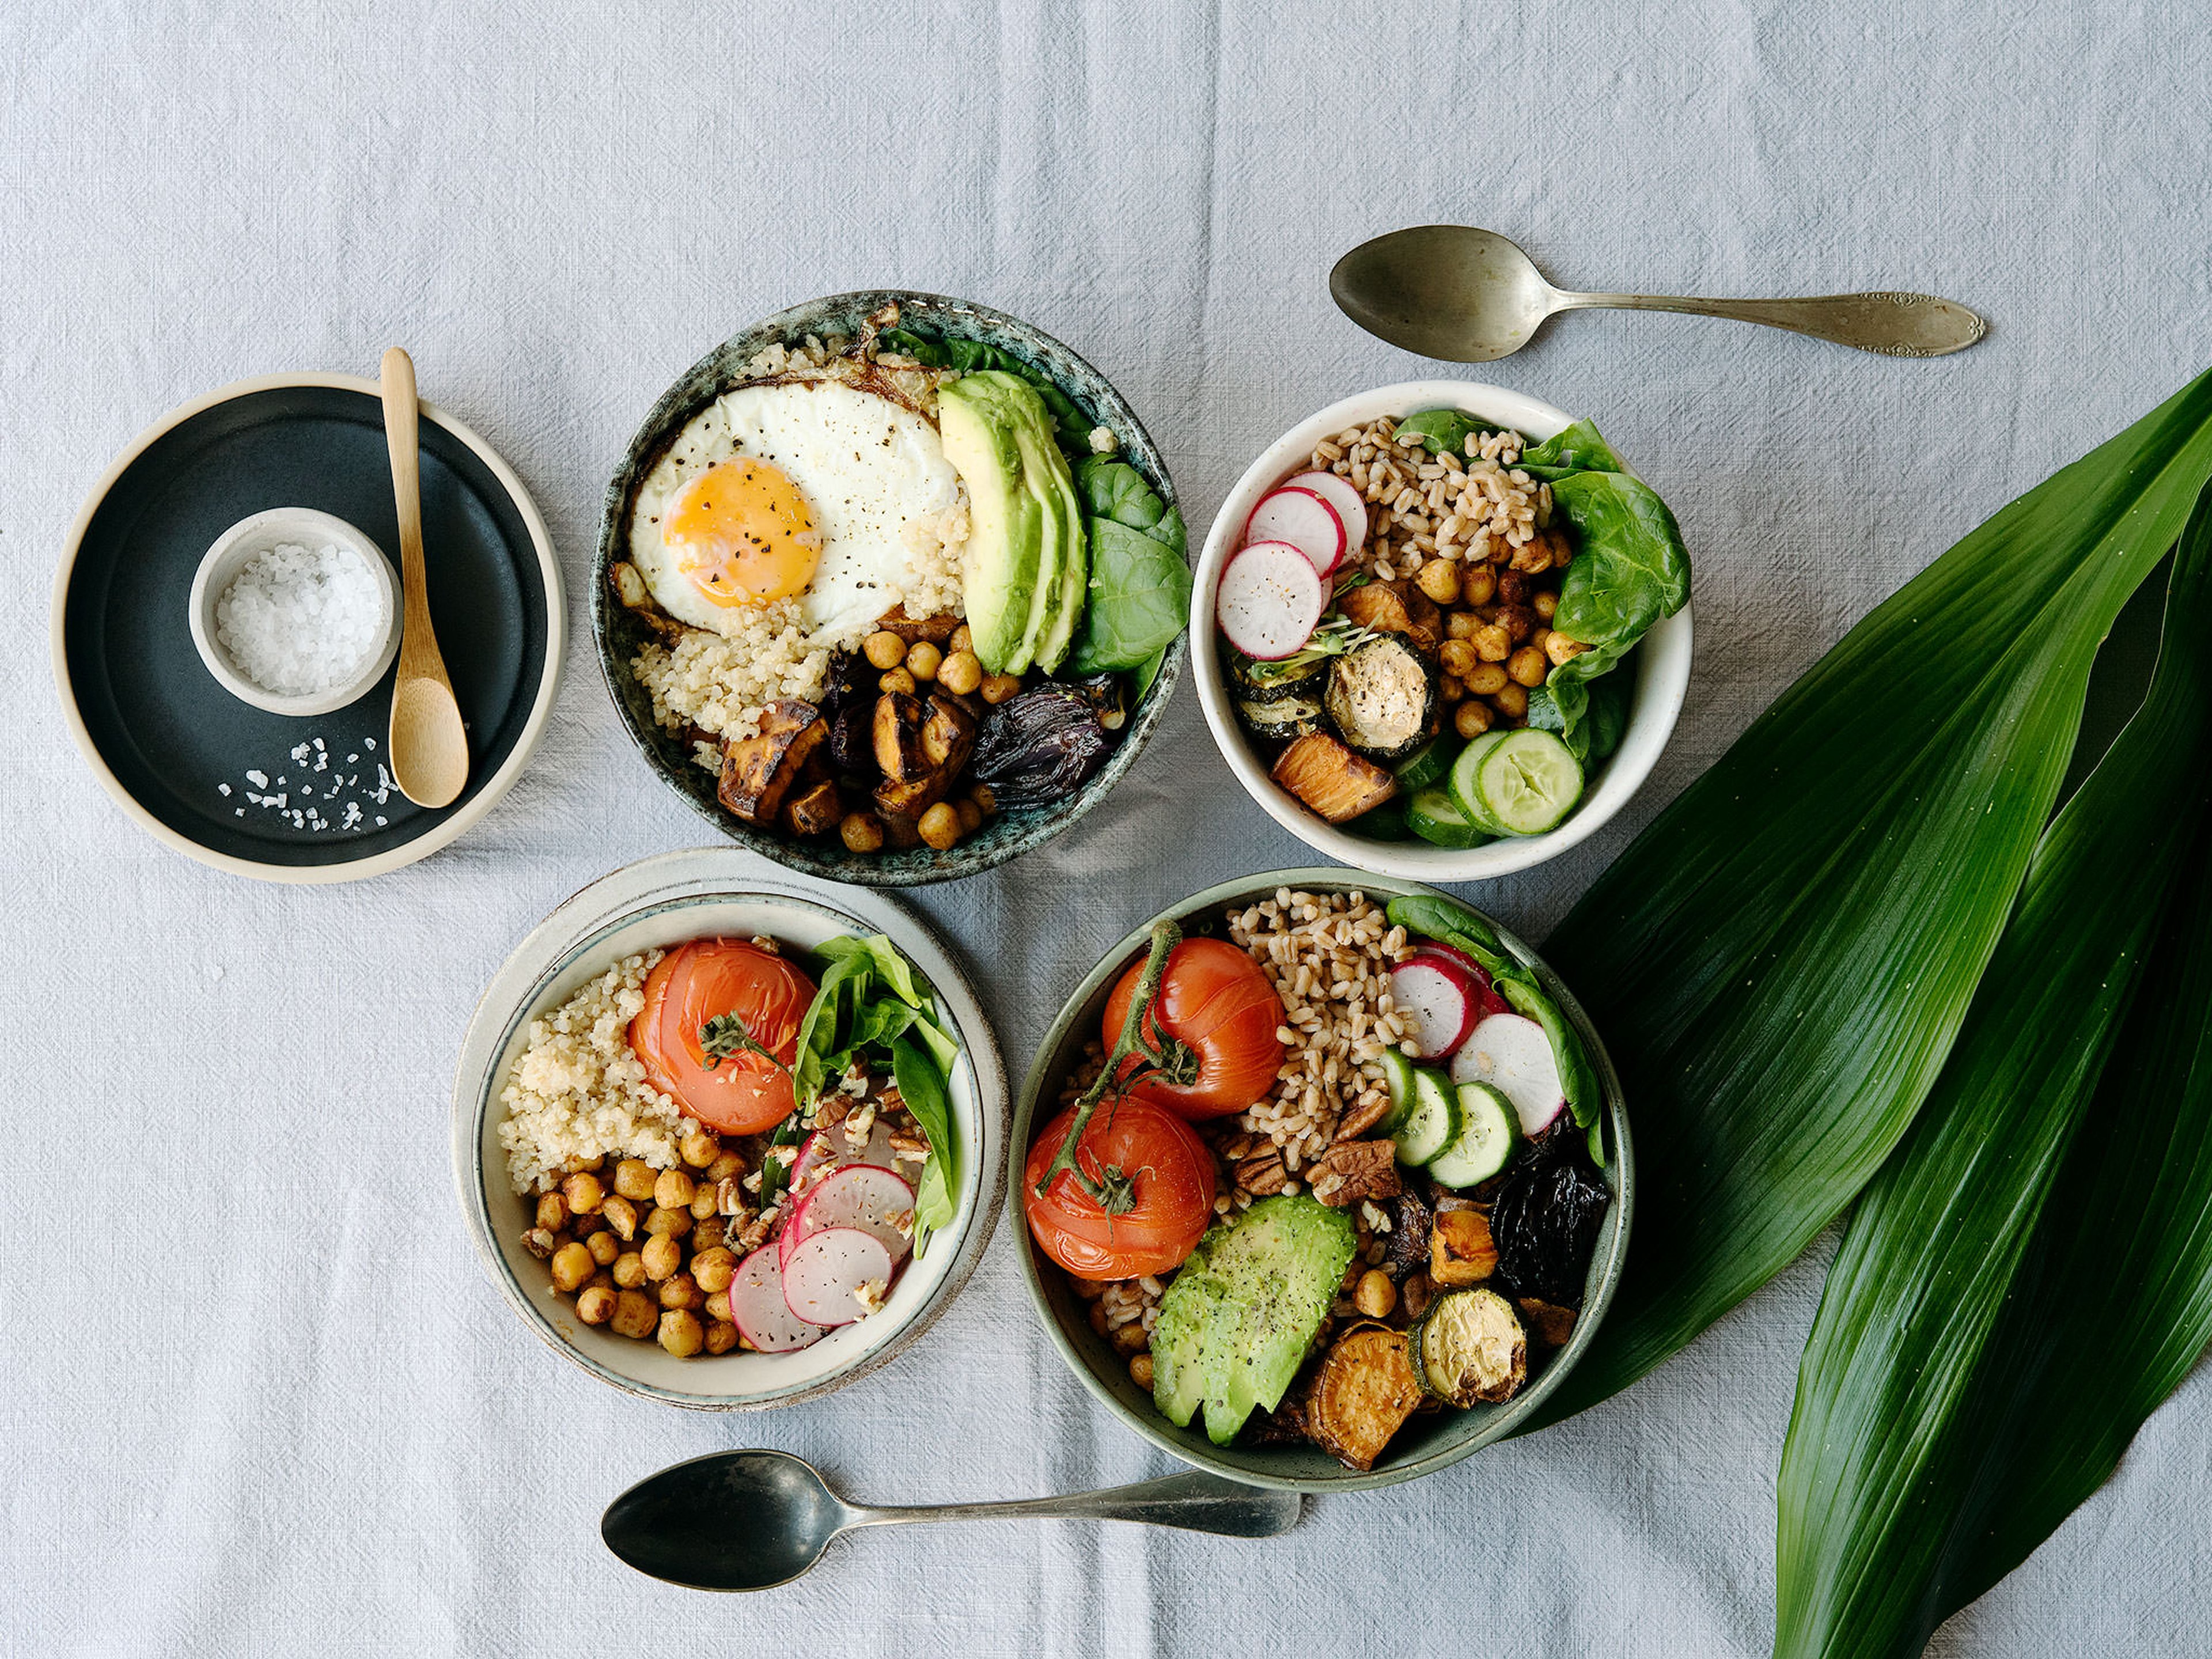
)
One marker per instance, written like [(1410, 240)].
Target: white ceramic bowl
[(1662, 667), (660, 902), (303, 527)]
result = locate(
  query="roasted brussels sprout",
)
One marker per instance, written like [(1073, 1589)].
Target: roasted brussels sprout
[(1039, 746)]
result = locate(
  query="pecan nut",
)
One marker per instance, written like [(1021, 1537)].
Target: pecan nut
[(1353, 1169), (1262, 1174)]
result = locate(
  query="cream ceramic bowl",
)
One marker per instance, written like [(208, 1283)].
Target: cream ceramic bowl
[(661, 902), (1662, 664), (301, 526)]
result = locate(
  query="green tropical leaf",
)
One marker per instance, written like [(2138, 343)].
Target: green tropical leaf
[(1781, 962), (1887, 1435)]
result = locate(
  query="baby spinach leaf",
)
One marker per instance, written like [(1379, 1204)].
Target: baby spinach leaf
[(1139, 599), (1578, 448), (966, 356), (868, 997), (1630, 567), (1115, 490), (1441, 429), (922, 1085), (1146, 672)]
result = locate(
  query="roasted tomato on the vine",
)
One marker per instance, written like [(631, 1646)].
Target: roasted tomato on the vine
[(1157, 1179), (1216, 1001), (725, 996)]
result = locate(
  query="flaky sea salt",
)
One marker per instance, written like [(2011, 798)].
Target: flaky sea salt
[(296, 621)]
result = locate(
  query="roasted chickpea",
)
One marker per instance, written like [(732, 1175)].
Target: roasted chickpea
[(1130, 1337), (1461, 625), (1459, 657), (1472, 718), (595, 1304), (997, 688), (899, 679), (1140, 1370), (1493, 642), (1528, 666), (1539, 635), (721, 1336), (628, 1270), (961, 671), (601, 1280), (552, 1212), (1451, 689), (1486, 678), (985, 799), (718, 1305), (636, 1314), (1558, 648), (702, 1206), (861, 832), (970, 815), (698, 1148), (572, 1266), (924, 660), (729, 1164), (1439, 579), (681, 1333), (1376, 1295), (940, 826), (1098, 1317), (604, 1246), (668, 1224), (583, 1193), (672, 1190), (633, 1178), (621, 1217), (713, 1230), (1511, 700), (714, 1268), (663, 1255), (884, 649), (961, 640), (1546, 604), (681, 1290), (1479, 585)]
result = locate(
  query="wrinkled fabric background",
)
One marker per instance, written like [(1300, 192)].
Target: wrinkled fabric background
[(256, 1394)]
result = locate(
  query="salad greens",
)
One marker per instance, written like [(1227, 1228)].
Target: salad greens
[(1070, 425)]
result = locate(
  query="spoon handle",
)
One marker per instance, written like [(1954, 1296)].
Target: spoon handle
[(1892, 325), (1197, 1502)]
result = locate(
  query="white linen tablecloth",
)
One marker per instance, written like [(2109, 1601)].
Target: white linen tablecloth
[(256, 1394)]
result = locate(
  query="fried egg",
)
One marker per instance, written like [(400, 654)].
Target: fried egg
[(812, 490)]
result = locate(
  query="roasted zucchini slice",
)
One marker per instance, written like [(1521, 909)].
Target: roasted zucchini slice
[(1469, 1349), (1281, 719), (1383, 698), (1255, 680), (1362, 1393)]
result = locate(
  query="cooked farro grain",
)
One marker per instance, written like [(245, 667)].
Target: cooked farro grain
[(1480, 508)]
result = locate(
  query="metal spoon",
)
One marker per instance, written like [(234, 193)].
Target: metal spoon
[(752, 1520), (429, 744), (1469, 296)]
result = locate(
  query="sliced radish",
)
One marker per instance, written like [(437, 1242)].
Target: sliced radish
[(1350, 509), (1269, 600), (1510, 1052), (858, 1195), (1302, 517), (827, 1268), (831, 1149), (1486, 999), (759, 1311), (1437, 996)]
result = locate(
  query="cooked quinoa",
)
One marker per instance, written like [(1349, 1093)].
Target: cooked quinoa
[(578, 1092)]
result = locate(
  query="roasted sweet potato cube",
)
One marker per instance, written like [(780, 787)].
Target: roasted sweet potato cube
[(1332, 780), (914, 630), (757, 772), (896, 736), (815, 811), (1461, 1249), (1397, 607), (906, 799), (948, 734)]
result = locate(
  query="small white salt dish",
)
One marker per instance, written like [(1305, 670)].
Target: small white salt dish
[(250, 536)]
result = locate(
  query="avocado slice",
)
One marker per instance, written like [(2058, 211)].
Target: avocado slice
[(1004, 557), (1180, 1377), (1017, 407)]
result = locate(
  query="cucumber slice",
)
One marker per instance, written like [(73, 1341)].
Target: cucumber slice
[(1527, 782), (1423, 766), (1388, 822), (1462, 783), (1435, 817), (1485, 1141), (1398, 1078), (1432, 1123)]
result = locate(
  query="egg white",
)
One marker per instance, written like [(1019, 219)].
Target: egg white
[(874, 476)]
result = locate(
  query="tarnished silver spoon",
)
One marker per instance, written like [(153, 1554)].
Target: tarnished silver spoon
[(752, 1520), (1469, 296)]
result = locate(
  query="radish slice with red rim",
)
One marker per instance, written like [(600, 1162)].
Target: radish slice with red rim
[(1302, 517), (830, 1149), (1486, 999), (825, 1270), (759, 1311), (858, 1195), (1269, 600), (1512, 1054), (1437, 997), (1351, 510)]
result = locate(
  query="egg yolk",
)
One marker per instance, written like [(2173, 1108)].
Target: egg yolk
[(741, 533)]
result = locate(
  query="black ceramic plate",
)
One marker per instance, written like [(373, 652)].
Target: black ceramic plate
[(166, 740)]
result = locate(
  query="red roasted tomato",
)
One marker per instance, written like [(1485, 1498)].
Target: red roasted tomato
[(1218, 1001), (1172, 1176), (743, 1094)]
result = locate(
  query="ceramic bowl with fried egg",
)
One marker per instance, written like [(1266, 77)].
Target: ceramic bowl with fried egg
[(810, 487)]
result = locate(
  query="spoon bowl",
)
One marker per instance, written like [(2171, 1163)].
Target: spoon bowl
[(752, 1520), (1468, 296)]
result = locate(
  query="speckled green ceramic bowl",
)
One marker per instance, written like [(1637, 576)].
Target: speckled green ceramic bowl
[(618, 633), (1428, 1443)]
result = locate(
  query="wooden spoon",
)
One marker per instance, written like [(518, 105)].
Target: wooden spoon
[(429, 745)]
